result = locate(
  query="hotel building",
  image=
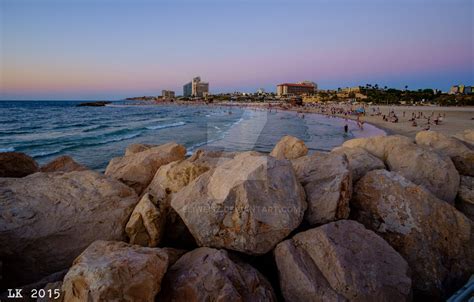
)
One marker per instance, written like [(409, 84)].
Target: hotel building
[(300, 88), (167, 94), (196, 88)]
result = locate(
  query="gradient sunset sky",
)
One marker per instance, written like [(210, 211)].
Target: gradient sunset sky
[(104, 49)]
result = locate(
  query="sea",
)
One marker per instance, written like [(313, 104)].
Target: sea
[(94, 135)]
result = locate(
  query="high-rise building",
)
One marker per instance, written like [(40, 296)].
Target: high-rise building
[(196, 88), (167, 94), (300, 88)]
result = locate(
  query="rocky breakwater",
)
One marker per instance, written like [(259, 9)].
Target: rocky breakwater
[(377, 219)]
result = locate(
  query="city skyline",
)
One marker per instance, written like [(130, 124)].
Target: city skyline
[(115, 49)]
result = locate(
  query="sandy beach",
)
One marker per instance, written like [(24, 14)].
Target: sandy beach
[(456, 120)]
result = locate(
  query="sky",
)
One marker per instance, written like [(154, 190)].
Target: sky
[(112, 49)]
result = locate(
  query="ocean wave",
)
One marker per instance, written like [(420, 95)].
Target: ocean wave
[(46, 153), (120, 138), (177, 124), (8, 149), (94, 128)]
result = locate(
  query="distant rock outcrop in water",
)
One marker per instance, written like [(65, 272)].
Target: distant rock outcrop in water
[(373, 220), (94, 104)]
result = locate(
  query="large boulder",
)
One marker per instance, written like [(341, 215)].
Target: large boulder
[(436, 239), (48, 219), (174, 176), (461, 155), (378, 146), (16, 164), (115, 271), (137, 148), (341, 261), (62, 164), (248, 204), (467, 136), (289, 147), (137, 170), (360, 161), (465, 198), (326, 178), (146, 225), (423, 166), (207, 274)]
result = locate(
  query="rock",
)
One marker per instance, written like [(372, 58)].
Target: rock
[(467, 136), (137, 148), (62, 164), (424, 167), (360, 161), (146, 225), (326, 178), (341, 261), (137, 170), (16, 164), (434, 238), (465, 198), (94, 104), (174, 176), (289, 147), (378, 146), (247, 204), (48, 219), (461, 155), (207, 274), (115, 271)]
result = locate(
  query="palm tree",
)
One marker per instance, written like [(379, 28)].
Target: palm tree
[(406, 87)]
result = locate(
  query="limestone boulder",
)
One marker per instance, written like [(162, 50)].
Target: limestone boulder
[(137, 148), (137, 170), (423, 166), (467, 136), (379, 146), (174, 176), (115, 271), (461, 155), (465, 198), (434, 237), (341, 261), (146, 225), (327, 181), (360, 161), (289, 147), (247, 204), (62, 164), (16, 164), (207, 274), (48, 219)]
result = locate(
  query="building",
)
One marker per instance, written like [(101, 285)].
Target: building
[(167, 94), (461, 89), (300, 88), (196, 88)]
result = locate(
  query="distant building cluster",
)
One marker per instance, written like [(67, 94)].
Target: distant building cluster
[(167, 94), (461, 89), (300, 88), (196, 88)]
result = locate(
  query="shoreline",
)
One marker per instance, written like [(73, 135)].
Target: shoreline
[(455, 119)]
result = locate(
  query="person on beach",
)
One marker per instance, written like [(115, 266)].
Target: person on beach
[(346, 128)]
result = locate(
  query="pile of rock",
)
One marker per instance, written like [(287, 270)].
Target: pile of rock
[(377, 219)]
